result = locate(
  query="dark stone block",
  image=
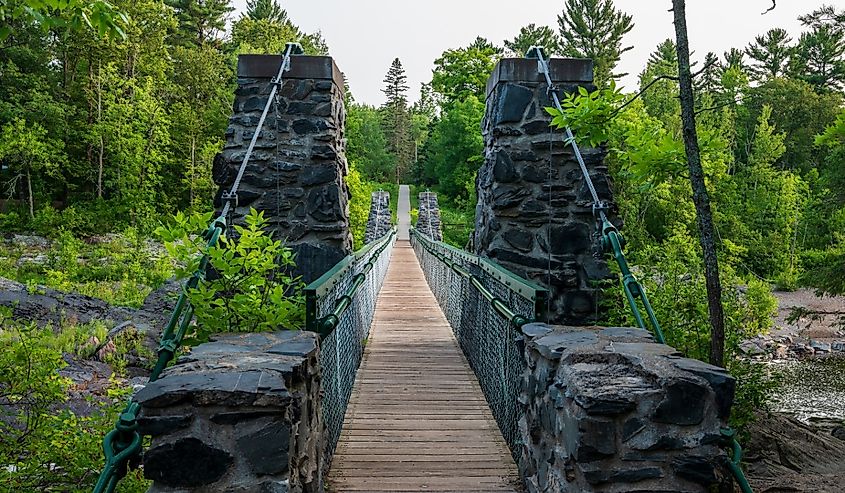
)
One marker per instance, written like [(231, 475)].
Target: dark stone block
[(513, 101), (635, 475), (323, 152), (254, 104), (570, 238), (722, 383), (503, 169), (520, 239), (537, 174), (265, 446), (323, 109), (304, 126), (682, 404), (324, 204), (296, 88), (317, 175), (631, 427), (597, 440), (508, 196), (188, 462), (537, 127), (244, 416), (300, 108), (161, 425), (696, 469), (315, 259), (524, 156)]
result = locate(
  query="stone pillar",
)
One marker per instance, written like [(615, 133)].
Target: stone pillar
[(610, 410), (380, 219), (428, 216), (534, 213), (240, 414), (297, 169)]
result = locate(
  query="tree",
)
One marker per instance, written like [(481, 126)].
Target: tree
[(661, 99), (700, 196), (200, 21), (820, 57), (455, 150), (735, 58), (771, 52), (397, 118), (29, 152), (532, 35), (268, 10), (594, 29), (709, 79), (265, 36), (463, 72), (367, 147)]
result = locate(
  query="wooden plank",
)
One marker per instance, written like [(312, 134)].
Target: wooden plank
[(417, 419)]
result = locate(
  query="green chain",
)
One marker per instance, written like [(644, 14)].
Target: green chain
[(122, 444)]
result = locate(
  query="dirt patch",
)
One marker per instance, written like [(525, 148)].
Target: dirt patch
[(825, 327)]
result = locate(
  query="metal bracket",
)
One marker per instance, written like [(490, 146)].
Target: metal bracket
[(231, 197)]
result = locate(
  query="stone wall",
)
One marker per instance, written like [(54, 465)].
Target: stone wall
[(428, 216), (610, 410), (240, 414), (534, 213), (380, 220), (296, 172)]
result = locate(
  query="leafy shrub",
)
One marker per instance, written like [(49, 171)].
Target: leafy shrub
[(249, 288), (43, 446)]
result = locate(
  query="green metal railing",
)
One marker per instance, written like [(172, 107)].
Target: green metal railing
[(340, 306), (485, 304)]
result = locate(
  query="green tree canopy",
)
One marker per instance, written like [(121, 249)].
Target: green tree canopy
[(595, 29), (533, 35)]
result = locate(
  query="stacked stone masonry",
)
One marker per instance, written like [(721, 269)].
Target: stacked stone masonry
[(240, 414), (534, 214), (610, 410), (428, 216), (296, 172), (379, 222)]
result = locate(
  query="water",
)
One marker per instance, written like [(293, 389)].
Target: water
[(812, 389)]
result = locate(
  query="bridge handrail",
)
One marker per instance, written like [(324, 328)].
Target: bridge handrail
[(334, 276), (339, 306), (485, 304), (525, 288)]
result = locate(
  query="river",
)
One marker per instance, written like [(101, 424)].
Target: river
[(811, 389)]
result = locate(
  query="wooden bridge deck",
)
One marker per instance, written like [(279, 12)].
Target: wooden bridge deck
[(417, 420)]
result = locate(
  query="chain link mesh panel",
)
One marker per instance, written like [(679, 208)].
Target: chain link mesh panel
[(488, 339), (341, 351)]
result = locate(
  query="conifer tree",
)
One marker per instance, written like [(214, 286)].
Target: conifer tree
[(594, 29), (771, 53), (532, 35), (200, 21), (268, 10), (397, 118)]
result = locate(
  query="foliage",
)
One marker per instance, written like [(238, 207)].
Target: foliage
[(44, 448), (533, 35), (463, 72), (587, 114), (121, 270), (594, 29), (771, 53), (98, 15), (367, 144), (454, 151), (248, 287), (397, 120)]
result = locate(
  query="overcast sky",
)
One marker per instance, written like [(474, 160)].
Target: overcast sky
[(364, 36)]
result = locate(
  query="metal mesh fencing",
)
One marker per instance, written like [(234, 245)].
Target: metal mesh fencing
[(340, 306), (466, 286)]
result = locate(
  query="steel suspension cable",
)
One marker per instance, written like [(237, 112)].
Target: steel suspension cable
[(122, 444), (613, 242)]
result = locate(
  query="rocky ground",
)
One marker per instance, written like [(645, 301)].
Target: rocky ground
[(817, 330), (785, 455)]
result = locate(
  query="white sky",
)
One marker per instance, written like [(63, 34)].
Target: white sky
[(364, 36)]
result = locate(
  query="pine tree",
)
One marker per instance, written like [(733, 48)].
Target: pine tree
[(397, 118), (531, 35), (268, 10), (820, 57), (200, 21), (709, 80), (735, 58), (771, 52), (594, 29)]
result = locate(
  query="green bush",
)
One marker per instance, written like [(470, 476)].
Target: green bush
[(249, 289), (44, 446)]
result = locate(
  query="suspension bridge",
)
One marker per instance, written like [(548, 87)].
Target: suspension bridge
[(424, 367)]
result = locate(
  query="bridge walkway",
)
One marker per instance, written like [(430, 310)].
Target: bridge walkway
[(417, 419)]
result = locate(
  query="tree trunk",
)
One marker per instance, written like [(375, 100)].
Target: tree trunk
[(699, 189), (29, 194)]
